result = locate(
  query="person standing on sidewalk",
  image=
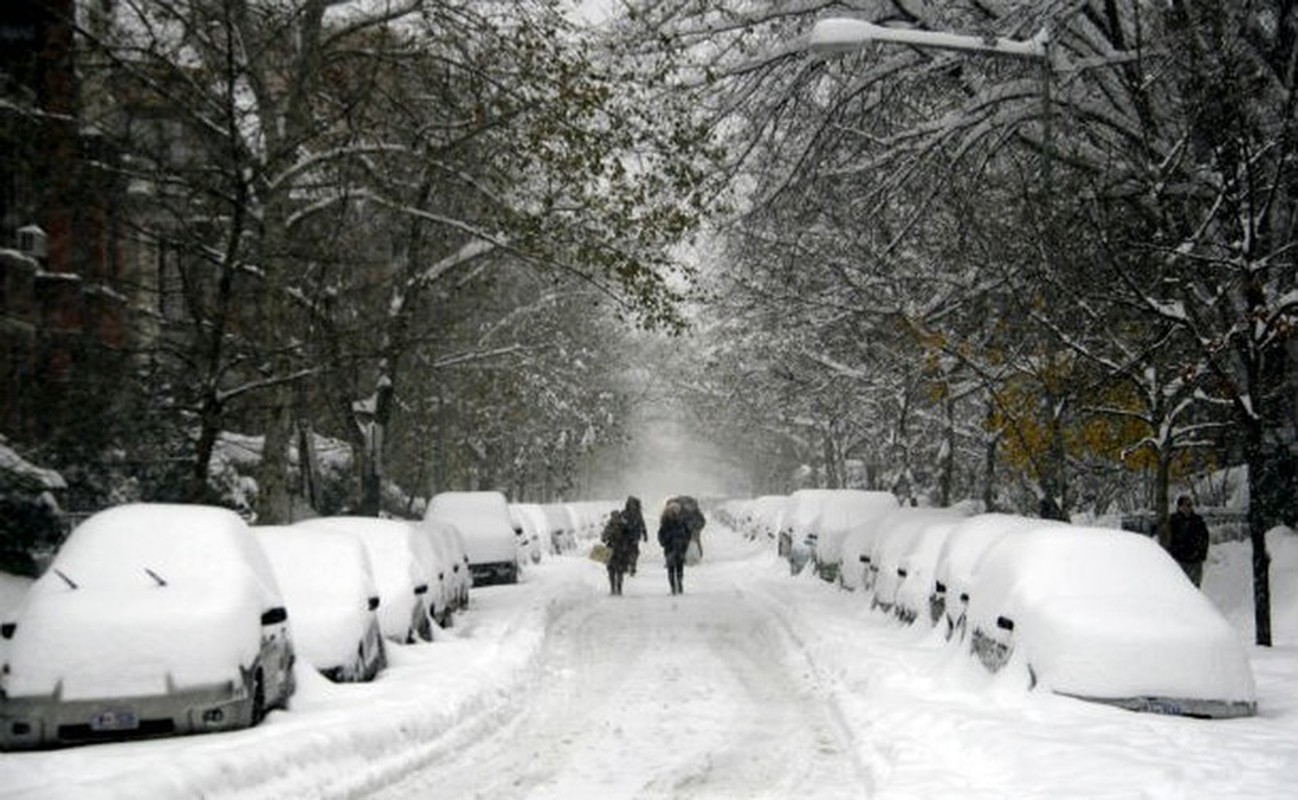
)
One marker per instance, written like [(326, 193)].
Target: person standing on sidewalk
[(1189, 542)]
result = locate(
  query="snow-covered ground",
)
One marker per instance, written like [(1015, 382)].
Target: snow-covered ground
[(752, 684)]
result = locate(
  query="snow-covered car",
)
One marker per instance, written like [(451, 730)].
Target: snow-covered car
[(453, 565), (152, 619), (770, 510), (840, 512), (588, 517), (483, 520), (858, 545), (402, 562), (563, 538), (529, 529), (888, 567), (329, 588), (958, 560), (463, 572), (1107, 616), (915, 569), (798, 528)]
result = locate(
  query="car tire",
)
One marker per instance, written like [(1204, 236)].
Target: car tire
[(258, 699)]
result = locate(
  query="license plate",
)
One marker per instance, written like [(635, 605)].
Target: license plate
[(114, 721)]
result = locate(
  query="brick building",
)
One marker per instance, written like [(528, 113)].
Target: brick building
[(61, 304)]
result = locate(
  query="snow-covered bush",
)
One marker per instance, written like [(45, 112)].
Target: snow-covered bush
[(30, 516)]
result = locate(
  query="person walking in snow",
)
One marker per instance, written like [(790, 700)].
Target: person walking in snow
[(674, 537), (1189, 541), (636, 532), (617, 537)]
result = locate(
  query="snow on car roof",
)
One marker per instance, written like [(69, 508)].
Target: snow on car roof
[(482, 519), (971, 538), (177, 542), (844, 511), (898, 535), (317, 566), (806, 508), (393, 547)]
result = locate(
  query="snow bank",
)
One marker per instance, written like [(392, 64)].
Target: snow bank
[(1228, 580)]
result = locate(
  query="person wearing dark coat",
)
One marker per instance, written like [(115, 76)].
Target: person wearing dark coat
[(618, 538), (1189, 541), (636, 532), (674, 537)]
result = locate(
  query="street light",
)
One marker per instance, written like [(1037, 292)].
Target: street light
[(841, 34)]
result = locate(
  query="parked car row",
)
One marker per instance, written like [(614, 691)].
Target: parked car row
[(1094, 613), (157, 619), (558, 528)]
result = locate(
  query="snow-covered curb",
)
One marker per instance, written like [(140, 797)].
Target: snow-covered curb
[(336, 739)]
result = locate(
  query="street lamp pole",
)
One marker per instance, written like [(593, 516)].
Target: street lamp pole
[(842, 35)]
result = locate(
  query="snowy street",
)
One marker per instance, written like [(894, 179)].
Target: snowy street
[(705, 695), (751, 684)]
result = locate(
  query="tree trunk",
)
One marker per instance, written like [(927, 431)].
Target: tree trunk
[(371, 459), (947, 477), (1162, 490), (989, 466), (274, 499), (1259, 519), (831, 469), (209, 427)]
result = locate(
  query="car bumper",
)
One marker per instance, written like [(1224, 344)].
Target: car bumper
[(498, 572), (30, 722)]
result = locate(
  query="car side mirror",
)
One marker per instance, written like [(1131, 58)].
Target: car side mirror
[(1005, 623), (374, 603), (274, 616)]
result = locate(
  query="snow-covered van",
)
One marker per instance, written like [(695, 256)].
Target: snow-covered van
[(483, 520)]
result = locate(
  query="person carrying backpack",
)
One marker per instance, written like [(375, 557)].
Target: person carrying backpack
[(618, 537), (636, 532)]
